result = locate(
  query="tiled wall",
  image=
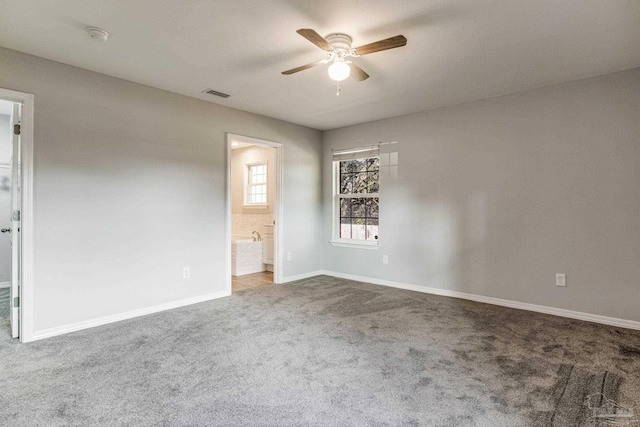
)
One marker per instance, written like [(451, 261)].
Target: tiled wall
[(244, 224), (246, 258)]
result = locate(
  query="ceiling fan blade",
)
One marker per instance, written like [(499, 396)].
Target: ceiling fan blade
[(358, 73), (390, 43), (305, 67), (315, 38)]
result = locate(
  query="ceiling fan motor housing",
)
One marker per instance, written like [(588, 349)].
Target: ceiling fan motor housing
[(340, 41)]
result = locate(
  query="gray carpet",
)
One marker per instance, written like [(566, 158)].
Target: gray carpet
[(5, 326), (322, 352), (4, 303)]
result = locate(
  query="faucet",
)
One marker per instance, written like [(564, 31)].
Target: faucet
[(256, 236)]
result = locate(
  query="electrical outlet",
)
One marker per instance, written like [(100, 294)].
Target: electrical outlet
[(186, 272), (385, 259), (561, 280), (289, 256)]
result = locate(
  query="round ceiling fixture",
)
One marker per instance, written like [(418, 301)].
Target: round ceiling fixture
[(98, 34), (339, 70)]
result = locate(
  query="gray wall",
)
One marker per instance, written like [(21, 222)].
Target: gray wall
[(129, 188), (495, 197), (5, 198)]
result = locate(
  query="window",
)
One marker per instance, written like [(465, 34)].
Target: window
[(256, 189), (356, 197)]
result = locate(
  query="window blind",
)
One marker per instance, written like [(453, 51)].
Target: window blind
[(356, 153)]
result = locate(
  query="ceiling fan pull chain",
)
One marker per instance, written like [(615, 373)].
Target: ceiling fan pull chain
[(337, 88)]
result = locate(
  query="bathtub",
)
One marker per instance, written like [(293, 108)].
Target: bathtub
[(246, 255)]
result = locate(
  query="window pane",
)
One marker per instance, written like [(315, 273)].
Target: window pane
[(345, 208), (373, 182), (345, 228), (372, 229), (257, 174), (358, 209), (366, 182), (372, 208), (360, 183), (345, 167), (258, 193), (353, 166), (346, 183), (358, 229)]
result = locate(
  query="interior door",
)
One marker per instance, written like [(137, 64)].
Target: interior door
[(15, 222)]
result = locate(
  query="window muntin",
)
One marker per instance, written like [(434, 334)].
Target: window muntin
[(256, 191), (358, 184)]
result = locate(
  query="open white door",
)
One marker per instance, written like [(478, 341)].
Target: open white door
[(15, 222)]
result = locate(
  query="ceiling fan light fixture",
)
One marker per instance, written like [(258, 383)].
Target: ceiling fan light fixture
[(338, 47), (339, 70)]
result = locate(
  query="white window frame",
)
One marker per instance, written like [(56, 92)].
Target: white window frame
[(336, 240), (247, 185)]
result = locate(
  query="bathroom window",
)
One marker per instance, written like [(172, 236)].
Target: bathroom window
[(356, 202), (256, 188)]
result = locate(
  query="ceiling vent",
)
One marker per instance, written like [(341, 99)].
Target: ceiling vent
[(216, 93)]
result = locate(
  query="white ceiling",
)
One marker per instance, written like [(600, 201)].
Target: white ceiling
[(457, 51), (236, 145)]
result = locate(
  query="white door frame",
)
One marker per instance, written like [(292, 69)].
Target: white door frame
[(26, 210), (15, 236), (277, 211)]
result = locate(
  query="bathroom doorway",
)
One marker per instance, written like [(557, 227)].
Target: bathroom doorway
[(16, 189), (7, 117), (254, 209)]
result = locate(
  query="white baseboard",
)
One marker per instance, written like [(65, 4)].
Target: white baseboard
[(59, 330), (302, 276), (612, 321), (5, 285)]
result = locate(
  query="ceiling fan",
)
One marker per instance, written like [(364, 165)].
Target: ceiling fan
[(338, 47)]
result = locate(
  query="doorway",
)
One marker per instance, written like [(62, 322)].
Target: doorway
[(254, 211), (16, 143), (6, 113)]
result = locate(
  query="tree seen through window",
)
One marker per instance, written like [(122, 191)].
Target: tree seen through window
[(358, 197)]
